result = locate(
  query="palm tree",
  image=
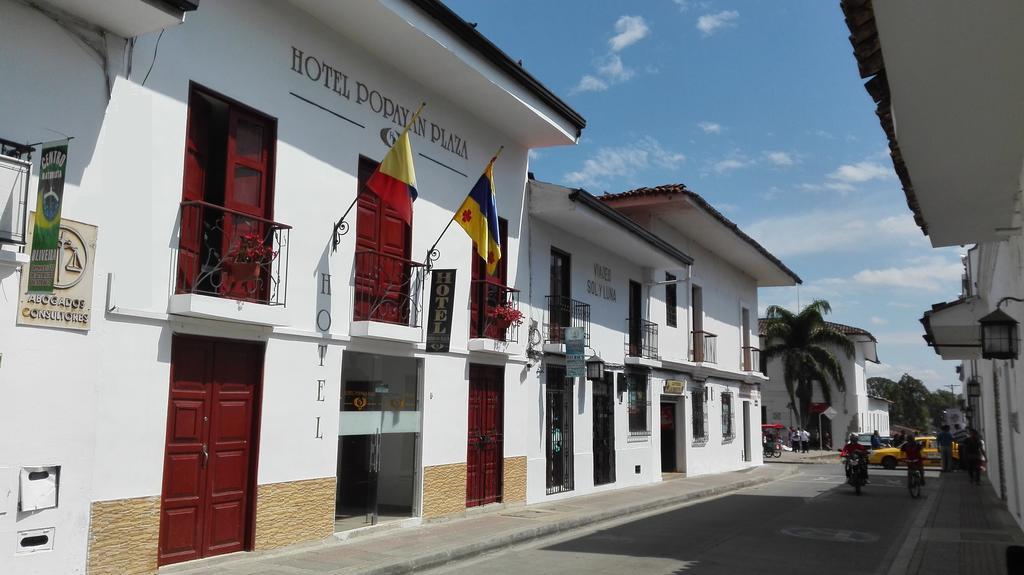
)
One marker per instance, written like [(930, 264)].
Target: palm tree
[(804, 342)]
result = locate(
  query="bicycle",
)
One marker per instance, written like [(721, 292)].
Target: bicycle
[(915, 478)]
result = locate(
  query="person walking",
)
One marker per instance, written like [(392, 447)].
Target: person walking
[(971, 454), (794, 439), (805, 440), (945, 441)]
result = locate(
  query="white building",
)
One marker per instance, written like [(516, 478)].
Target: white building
[(856, 411), (959, 152), (240, 383), (665, 288)]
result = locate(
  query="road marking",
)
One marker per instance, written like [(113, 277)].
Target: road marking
[(837, 535)]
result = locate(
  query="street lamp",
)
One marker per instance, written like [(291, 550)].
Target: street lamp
[(595, 368), (973, 390), (999, 339)]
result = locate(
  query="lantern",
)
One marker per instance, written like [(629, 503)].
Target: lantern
[(999, 339)]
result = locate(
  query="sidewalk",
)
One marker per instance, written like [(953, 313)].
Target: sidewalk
[(813, 456), (961, 529), (434, 544)]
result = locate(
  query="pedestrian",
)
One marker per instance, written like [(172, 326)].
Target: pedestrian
[(828, 441), (972, 453), (805, 440), (876, 440), (794, 439), (945, 441)]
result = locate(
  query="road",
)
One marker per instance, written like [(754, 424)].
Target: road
[(811, 523)]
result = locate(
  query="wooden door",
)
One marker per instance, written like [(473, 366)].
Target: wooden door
[(697, 308), (604, 430), (383, 243), (560, 290), (197, 156), (488, 291), (246, 191), (635, 332), (206, 502), (485, 445)]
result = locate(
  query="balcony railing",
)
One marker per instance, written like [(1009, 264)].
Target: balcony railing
[(388, 288), (230, 254), (705, 347), (751, 359), (566, 312), (641, 338), (15, 168), (493, 309)]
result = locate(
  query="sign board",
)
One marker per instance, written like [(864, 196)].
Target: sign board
[(674, 387), (830, 412), (575, 362), (70, 304), (45, 249), (439, 316)]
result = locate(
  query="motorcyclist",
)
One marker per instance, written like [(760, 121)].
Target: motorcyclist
[(912, 449), (853, 446)]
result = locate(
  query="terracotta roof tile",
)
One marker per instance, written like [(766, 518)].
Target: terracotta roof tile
[(841, 328)]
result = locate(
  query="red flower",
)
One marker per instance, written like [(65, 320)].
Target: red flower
[(467, 215)]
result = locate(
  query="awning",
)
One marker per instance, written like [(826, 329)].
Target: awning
[(952, 329)]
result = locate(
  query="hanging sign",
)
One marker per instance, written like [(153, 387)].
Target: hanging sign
[(575, 363), (674, 387), (439, 318), (69, 306), (42, 267)]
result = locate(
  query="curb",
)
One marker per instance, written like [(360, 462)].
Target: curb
[(443, 557)]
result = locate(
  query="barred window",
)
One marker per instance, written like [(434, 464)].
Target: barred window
[(699, 412), (727, 430), (639, 404), (671, 303)]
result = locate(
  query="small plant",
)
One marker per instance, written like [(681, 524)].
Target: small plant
[(253, 249), (505, 316)]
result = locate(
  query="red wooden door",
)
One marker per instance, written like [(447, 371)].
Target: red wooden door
[(206, 500), (485, 446), (383, 242), (197, 155), (246, 190), (488, 291)]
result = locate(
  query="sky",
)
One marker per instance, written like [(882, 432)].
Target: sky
[(758, 107)]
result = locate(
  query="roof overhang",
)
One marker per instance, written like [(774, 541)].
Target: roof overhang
[(697, 220), (579, 213), (126, 18), (869, 345), (949, 72), (425, 41), (952, 328)]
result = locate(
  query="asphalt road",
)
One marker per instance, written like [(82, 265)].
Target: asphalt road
[(811, 523)]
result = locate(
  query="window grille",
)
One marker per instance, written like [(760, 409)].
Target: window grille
[(638, 389), (728, 432), (698, 405)]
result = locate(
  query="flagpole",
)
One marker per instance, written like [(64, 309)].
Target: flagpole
[(433, 253), (341, 226)]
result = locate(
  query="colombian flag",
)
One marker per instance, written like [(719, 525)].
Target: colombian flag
[(394, 180), (478, 215)]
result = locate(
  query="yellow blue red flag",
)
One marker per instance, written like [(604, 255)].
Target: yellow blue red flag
[(478, 215)]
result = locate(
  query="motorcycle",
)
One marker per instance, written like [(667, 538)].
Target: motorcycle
[(856, 470)]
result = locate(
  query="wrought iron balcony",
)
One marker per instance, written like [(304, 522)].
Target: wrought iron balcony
[(230, 254), (751, 358), (389, 288), (641, 338), (705, 347), (494, 311), (566, 312), (15, 168)]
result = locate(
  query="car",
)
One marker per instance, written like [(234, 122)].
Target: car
[(865, 439), (890, 457)]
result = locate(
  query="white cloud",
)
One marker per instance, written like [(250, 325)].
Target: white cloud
[(782, 159), (933, 276), (875, 320), (629, 30), (614, 70), (710, 127), (708, 24), (624, 161), (589, 83), (728, 165), (534, 155), (821, 231), (860, 172)]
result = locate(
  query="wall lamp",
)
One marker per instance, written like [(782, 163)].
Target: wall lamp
[(999, 337)]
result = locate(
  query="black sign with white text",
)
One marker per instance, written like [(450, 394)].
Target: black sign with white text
[(439, 318)]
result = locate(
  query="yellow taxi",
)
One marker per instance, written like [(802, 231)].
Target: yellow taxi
[(890, 457)]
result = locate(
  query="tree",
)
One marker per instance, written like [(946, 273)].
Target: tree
[(804, 342), (910, 400)]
